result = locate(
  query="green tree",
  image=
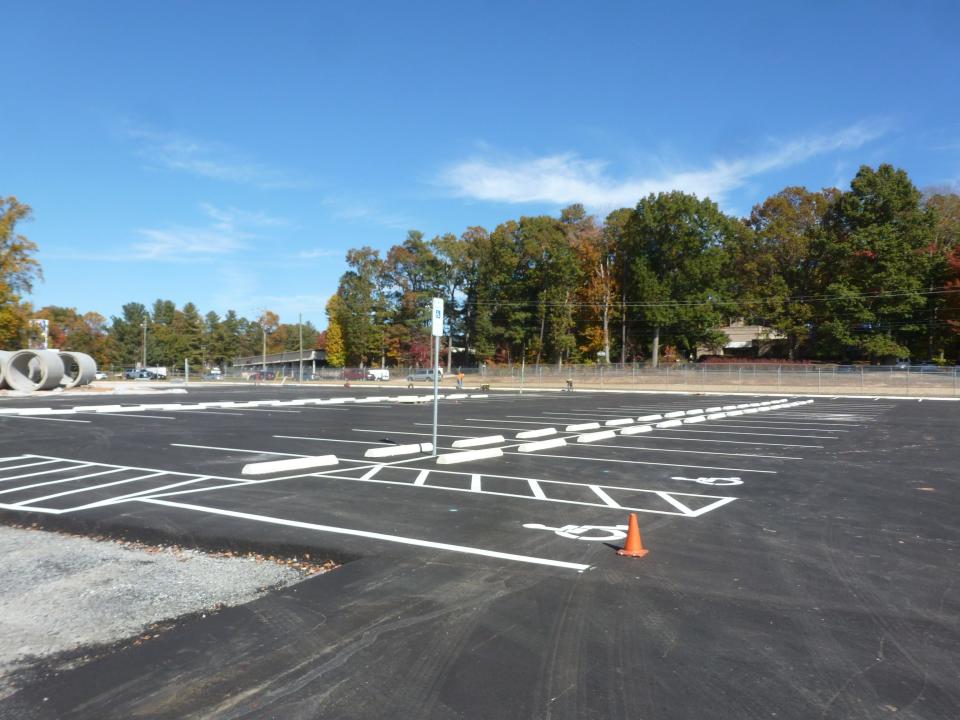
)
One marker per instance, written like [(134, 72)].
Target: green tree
[(881, 232), (677, 245), (779, 265), (126, 334)]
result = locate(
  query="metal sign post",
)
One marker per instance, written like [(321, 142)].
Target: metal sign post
[(436, 329)]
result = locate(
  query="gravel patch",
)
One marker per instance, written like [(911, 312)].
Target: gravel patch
[(59, 593)]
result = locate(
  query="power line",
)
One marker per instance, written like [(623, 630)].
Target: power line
[(677, 303)]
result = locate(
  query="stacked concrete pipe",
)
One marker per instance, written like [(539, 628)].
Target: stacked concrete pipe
[(4, 356), (86, 368), (29, 370)]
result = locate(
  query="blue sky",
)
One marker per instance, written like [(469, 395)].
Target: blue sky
[(229, 153)]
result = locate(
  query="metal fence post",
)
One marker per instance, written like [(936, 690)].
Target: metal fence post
[(819, 385)]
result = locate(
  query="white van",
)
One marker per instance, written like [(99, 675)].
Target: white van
[(378, 373), (424, 375)]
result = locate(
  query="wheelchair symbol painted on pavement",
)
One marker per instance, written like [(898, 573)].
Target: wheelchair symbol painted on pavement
[(580, 532), (712, 480)]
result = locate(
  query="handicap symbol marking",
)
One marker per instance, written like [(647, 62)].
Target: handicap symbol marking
[(712, 480), (579, 532)]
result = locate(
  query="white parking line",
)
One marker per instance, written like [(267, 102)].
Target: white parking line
[(648, 438), (372, 535), (728, 432), (75, 466), (48, 419), (4, 468), (88, 488), (58, 482)]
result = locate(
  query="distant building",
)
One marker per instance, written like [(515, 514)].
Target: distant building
[(285, 363), (747, 341)]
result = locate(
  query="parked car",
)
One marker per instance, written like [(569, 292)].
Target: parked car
[(213, 376), (140, 375), (260, 375), (424, 375), (357, 374), (100, 375), (378, 374)]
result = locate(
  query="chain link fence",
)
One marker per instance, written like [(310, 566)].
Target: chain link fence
[(787, 377)]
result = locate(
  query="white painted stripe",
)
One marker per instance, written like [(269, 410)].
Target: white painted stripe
[(86, 489), (158, 492), (607, 500), (694, 419), (729, 407), (42, 419), (457, 396), (478, 397), (713, 410), (536, 490), (583, 426), (31, 412), (26, 465), (63, 480), (478, 441), (300, 463), (636, 430), (243, 450), (674, 414), (619, 421), (371, 472), (669, 423), (716, 416), (649, 418), (475, 483), (73, 466), (541, 445), (734, 413), (542, 432), (372, 535), (392, 450), (594, 437), (469, 455), (421, 477), (695, 412)]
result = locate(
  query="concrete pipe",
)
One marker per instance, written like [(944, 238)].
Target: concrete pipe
[(4, 356), (78, 369), (29, 370)]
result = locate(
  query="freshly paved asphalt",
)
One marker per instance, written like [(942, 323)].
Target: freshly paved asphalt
[(827, 588)]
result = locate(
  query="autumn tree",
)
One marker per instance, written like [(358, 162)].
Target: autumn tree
[(18, 271), (336, 352)]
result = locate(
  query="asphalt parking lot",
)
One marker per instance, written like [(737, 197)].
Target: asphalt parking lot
[(803, 552)]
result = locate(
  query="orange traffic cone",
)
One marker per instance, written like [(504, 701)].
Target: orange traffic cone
[(634, 545)]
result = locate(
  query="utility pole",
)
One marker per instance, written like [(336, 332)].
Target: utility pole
[(263, 326), (144, 325), (436, 317), (300, 327)]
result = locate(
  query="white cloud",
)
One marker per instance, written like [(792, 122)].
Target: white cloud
[(320, 253), (227, 232), (345, 209), (212, 160), (567, 178)]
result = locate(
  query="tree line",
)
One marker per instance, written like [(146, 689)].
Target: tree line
[(868, 273)]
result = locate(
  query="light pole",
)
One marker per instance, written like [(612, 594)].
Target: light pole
[(263, 326), (144, 326), (300, 328)]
